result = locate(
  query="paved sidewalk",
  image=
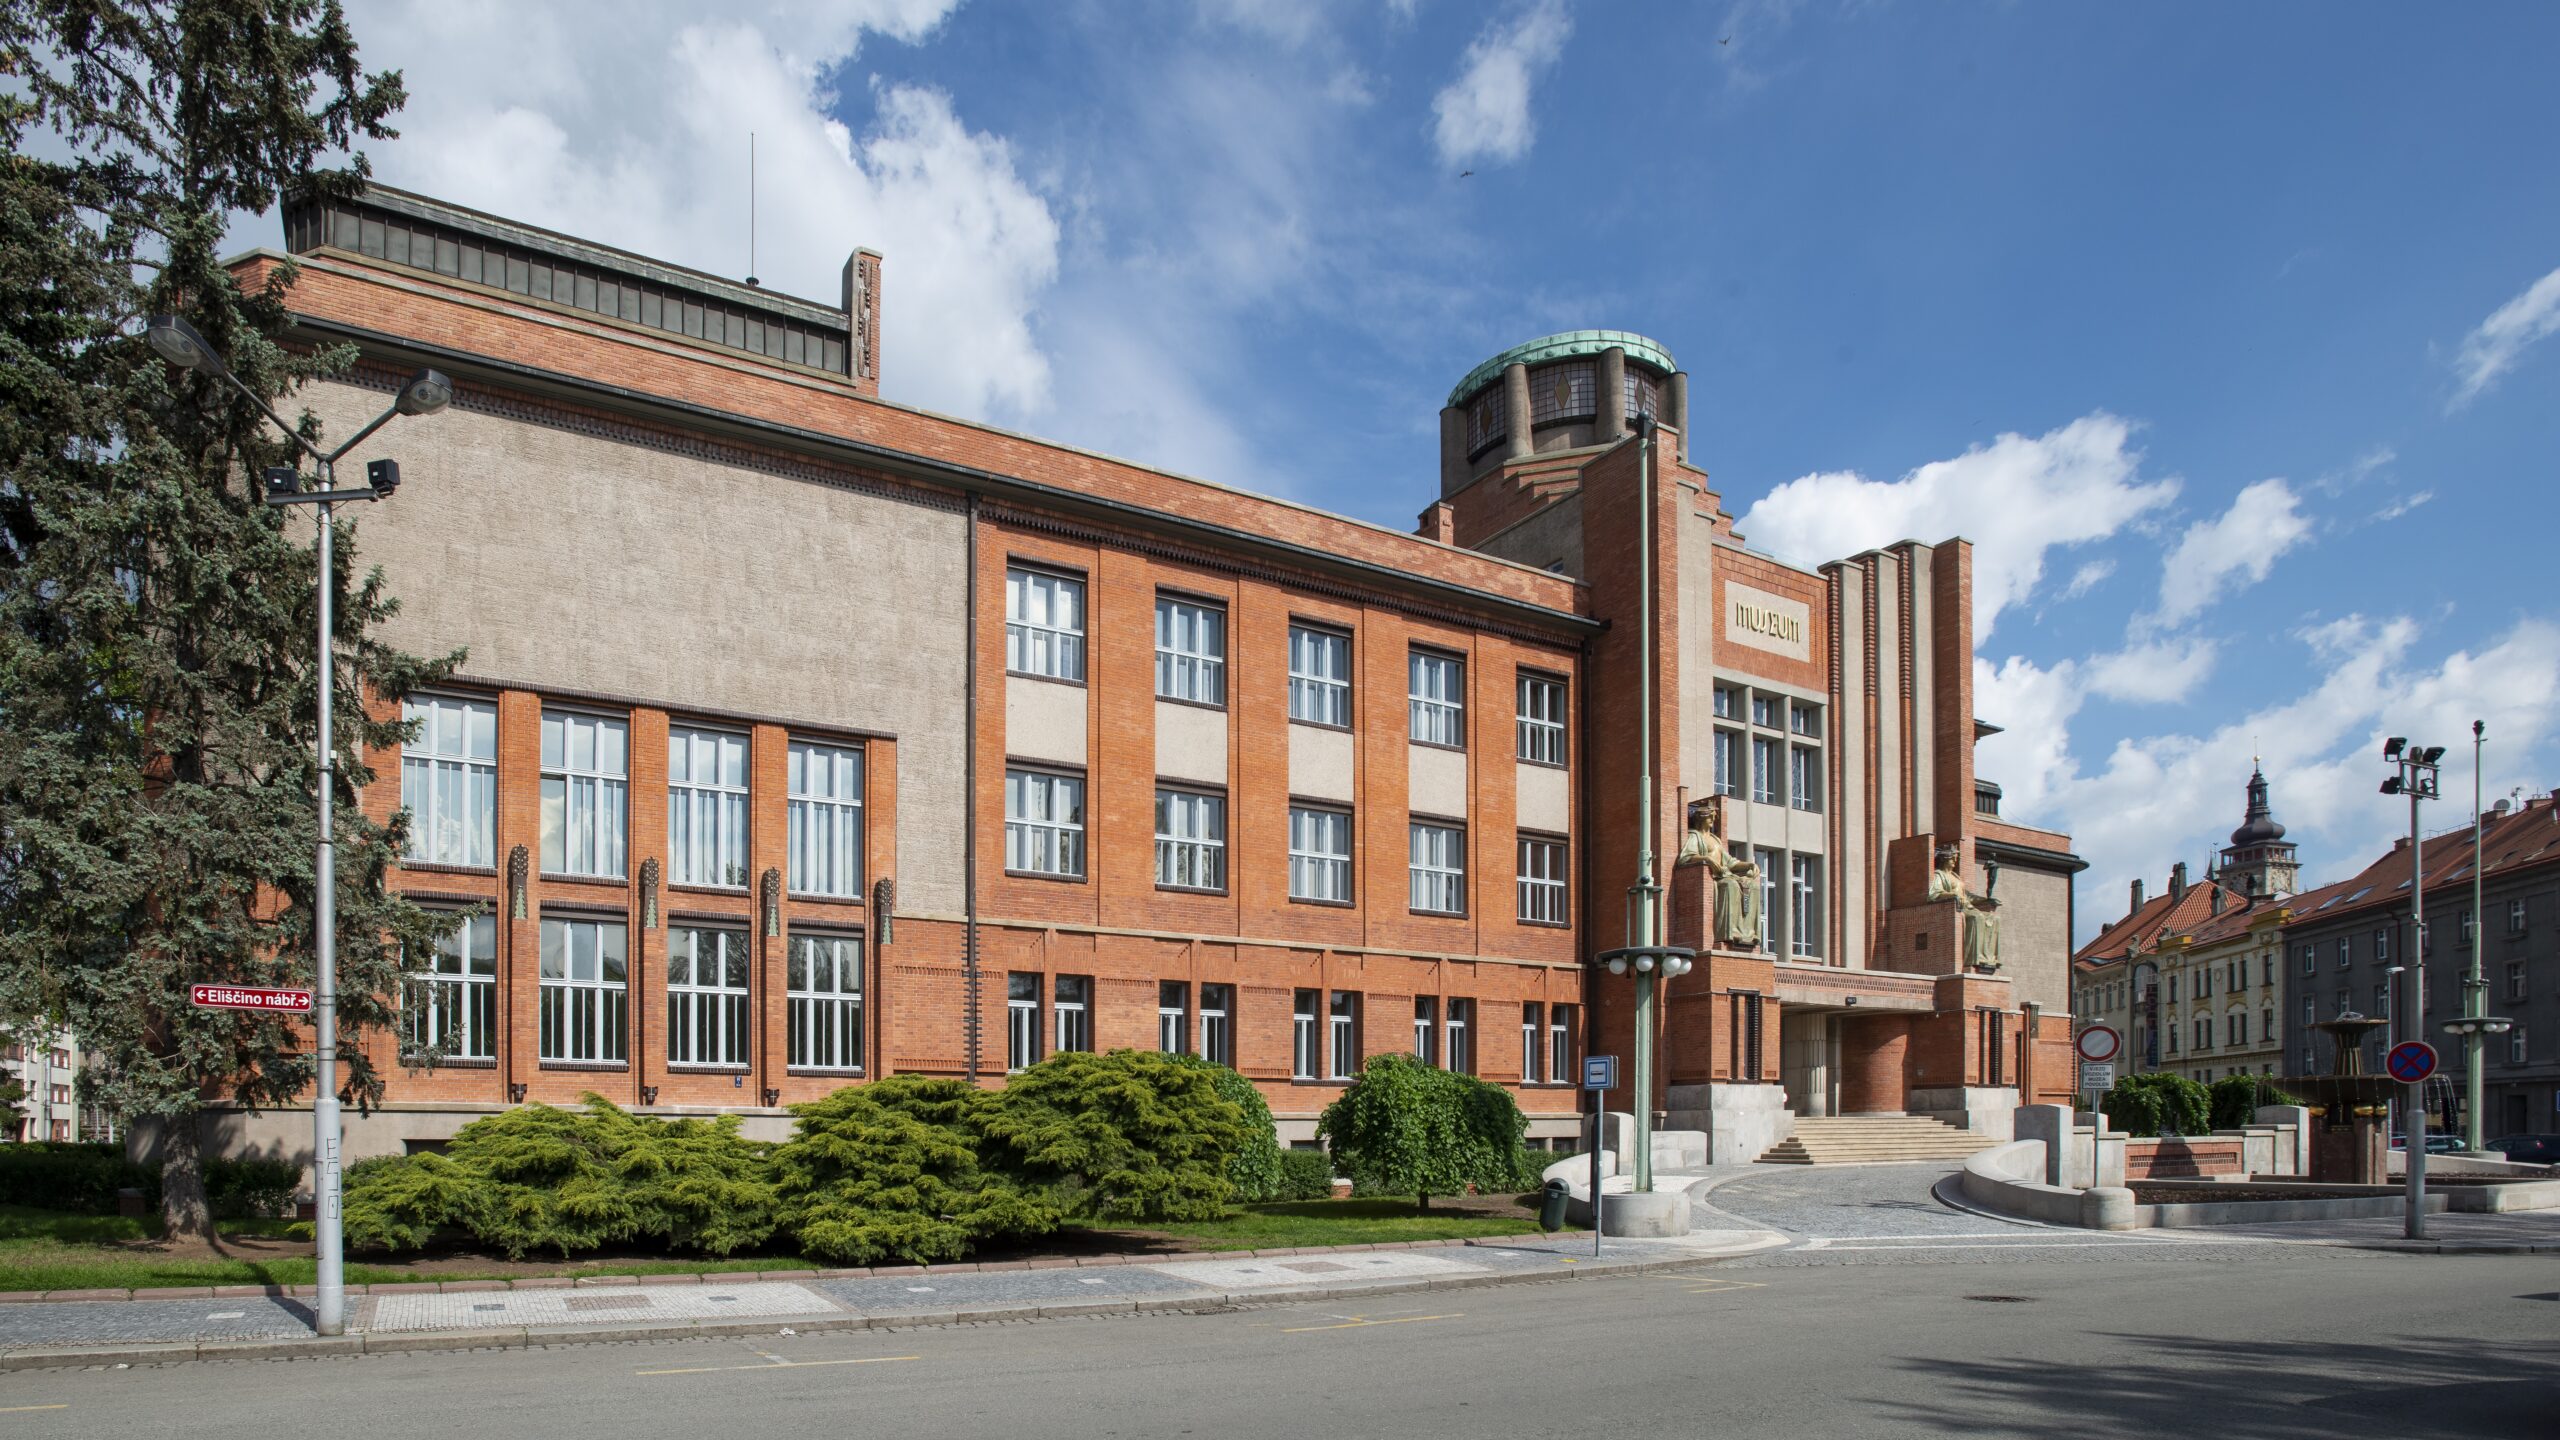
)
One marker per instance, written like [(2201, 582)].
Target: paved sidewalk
[(242, 1322)]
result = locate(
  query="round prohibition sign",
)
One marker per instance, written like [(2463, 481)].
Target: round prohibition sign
[(2410, 1061), (2098, 1044)]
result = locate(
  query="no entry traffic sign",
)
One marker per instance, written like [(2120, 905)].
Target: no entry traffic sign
[(2099, 1043), (2410, 1061), (247, 997)]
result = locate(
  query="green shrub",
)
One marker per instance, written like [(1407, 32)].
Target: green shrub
[(81, 1178), (537, 1178), (1254, 1169), (2235, 1099), (1407, 1128), (2159, 1104), (1304, 1175), (891, 1170), (251, 1188), (1132, 1136)]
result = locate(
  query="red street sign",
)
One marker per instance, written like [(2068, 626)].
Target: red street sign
[(2410, 1061), (248, 997), (2098, 1044)]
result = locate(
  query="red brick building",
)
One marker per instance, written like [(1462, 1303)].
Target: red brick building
[(803, 737)]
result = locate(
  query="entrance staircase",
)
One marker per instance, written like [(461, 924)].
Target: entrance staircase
[(1872, 1140)]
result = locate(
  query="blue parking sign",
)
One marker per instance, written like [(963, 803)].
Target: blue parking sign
[(1600, 1072)]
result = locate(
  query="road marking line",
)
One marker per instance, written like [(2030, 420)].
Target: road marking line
[(16, 1409), (1718, 1287), (1356, 1323), (2026, 1245), (780, 1365), (227, 1315)]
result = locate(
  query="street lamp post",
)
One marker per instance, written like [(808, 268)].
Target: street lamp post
[(2414, 775), (426, 392), (2475, 988)]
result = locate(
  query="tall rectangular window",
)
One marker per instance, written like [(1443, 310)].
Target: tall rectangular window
[(1439, 868), (586, 990), (706, 996), (1044, 823), (824, 786), (824, 1002), (1345, 1019), (1319, 676), (1304, 1061), (1765, 710), (454, 1005), (2381, 944), (1804, 776), (1458, 1051), (1173, 1016), (1804, 899), (1043, 624), (1541, 719), (1561, 1043), (1728, 745), (1805, 719), (2517, 1051), (1021, 1021), (1319, 855), (1191, 840), (706, 807), (2515, 979), (449, 780), (1767, 861), (1437, 690), (1533, 1042), (2515, 917), (1542, 881), (1426, 1029), (1728, 704), (1768, 784), (1218, 1024), (586, 767), (1072, 1002), (1191, 651)]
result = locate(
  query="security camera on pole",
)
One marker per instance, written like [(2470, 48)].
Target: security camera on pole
[(2415, 777), (426, 393)]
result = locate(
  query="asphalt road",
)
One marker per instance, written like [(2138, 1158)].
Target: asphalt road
[(2269, 1340)]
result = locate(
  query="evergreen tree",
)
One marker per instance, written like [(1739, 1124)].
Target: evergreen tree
[(157, 692)]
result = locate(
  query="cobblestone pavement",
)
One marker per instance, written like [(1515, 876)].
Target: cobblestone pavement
[(110, 1322)]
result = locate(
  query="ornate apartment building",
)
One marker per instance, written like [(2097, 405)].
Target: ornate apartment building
[(804, 737)]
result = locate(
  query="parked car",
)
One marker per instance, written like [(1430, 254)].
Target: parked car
[(2528, 1149), (2438, 1142)]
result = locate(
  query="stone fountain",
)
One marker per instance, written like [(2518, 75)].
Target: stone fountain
[(2349, 1145)]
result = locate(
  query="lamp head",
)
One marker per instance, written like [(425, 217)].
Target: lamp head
[(2391, 786), (1617, 964), (1644, 964), (426, 393), (280, 480), (177, 342), (2392, 747), (2434, 754)]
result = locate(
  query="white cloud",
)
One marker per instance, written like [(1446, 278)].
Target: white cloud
[(2088, 577), (2264, 521), (2163, 672), (2402, 506), (627, 125), (1484, 113), (2492, 349), (2015, 499), (2158, 798)]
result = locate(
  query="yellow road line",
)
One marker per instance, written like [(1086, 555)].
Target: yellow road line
[(779, 1365), (1719, 1287), (15, 1409), (1355, 1322)]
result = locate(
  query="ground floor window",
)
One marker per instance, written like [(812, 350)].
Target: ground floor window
[(1217, 1024), (454, 1004), (1458, 1052), (1562, 1043), (1303, 1060), (1173, 1016), (1346, 1034), (1022, 1021), (586, 988), (706, 997), (1073, 1004), (1533, 1048), (1426, 1026), (825, 1002)]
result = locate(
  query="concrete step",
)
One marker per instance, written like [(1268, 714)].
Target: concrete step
[(1871, 1139)]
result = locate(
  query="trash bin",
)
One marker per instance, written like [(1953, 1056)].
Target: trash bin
[(1551, 1205)]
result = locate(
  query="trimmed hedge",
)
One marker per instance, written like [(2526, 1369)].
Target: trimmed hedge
[(2233, 1100), (1304, 1175), (83, 1178), (2156, 1104)]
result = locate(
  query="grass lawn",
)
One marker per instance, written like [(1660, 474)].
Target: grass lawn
[(1286, 1223)]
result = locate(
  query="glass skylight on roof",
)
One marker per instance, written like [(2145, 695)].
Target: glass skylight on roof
[(2359, 895)]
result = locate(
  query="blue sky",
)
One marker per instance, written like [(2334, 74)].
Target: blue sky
[(2252, 297)]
